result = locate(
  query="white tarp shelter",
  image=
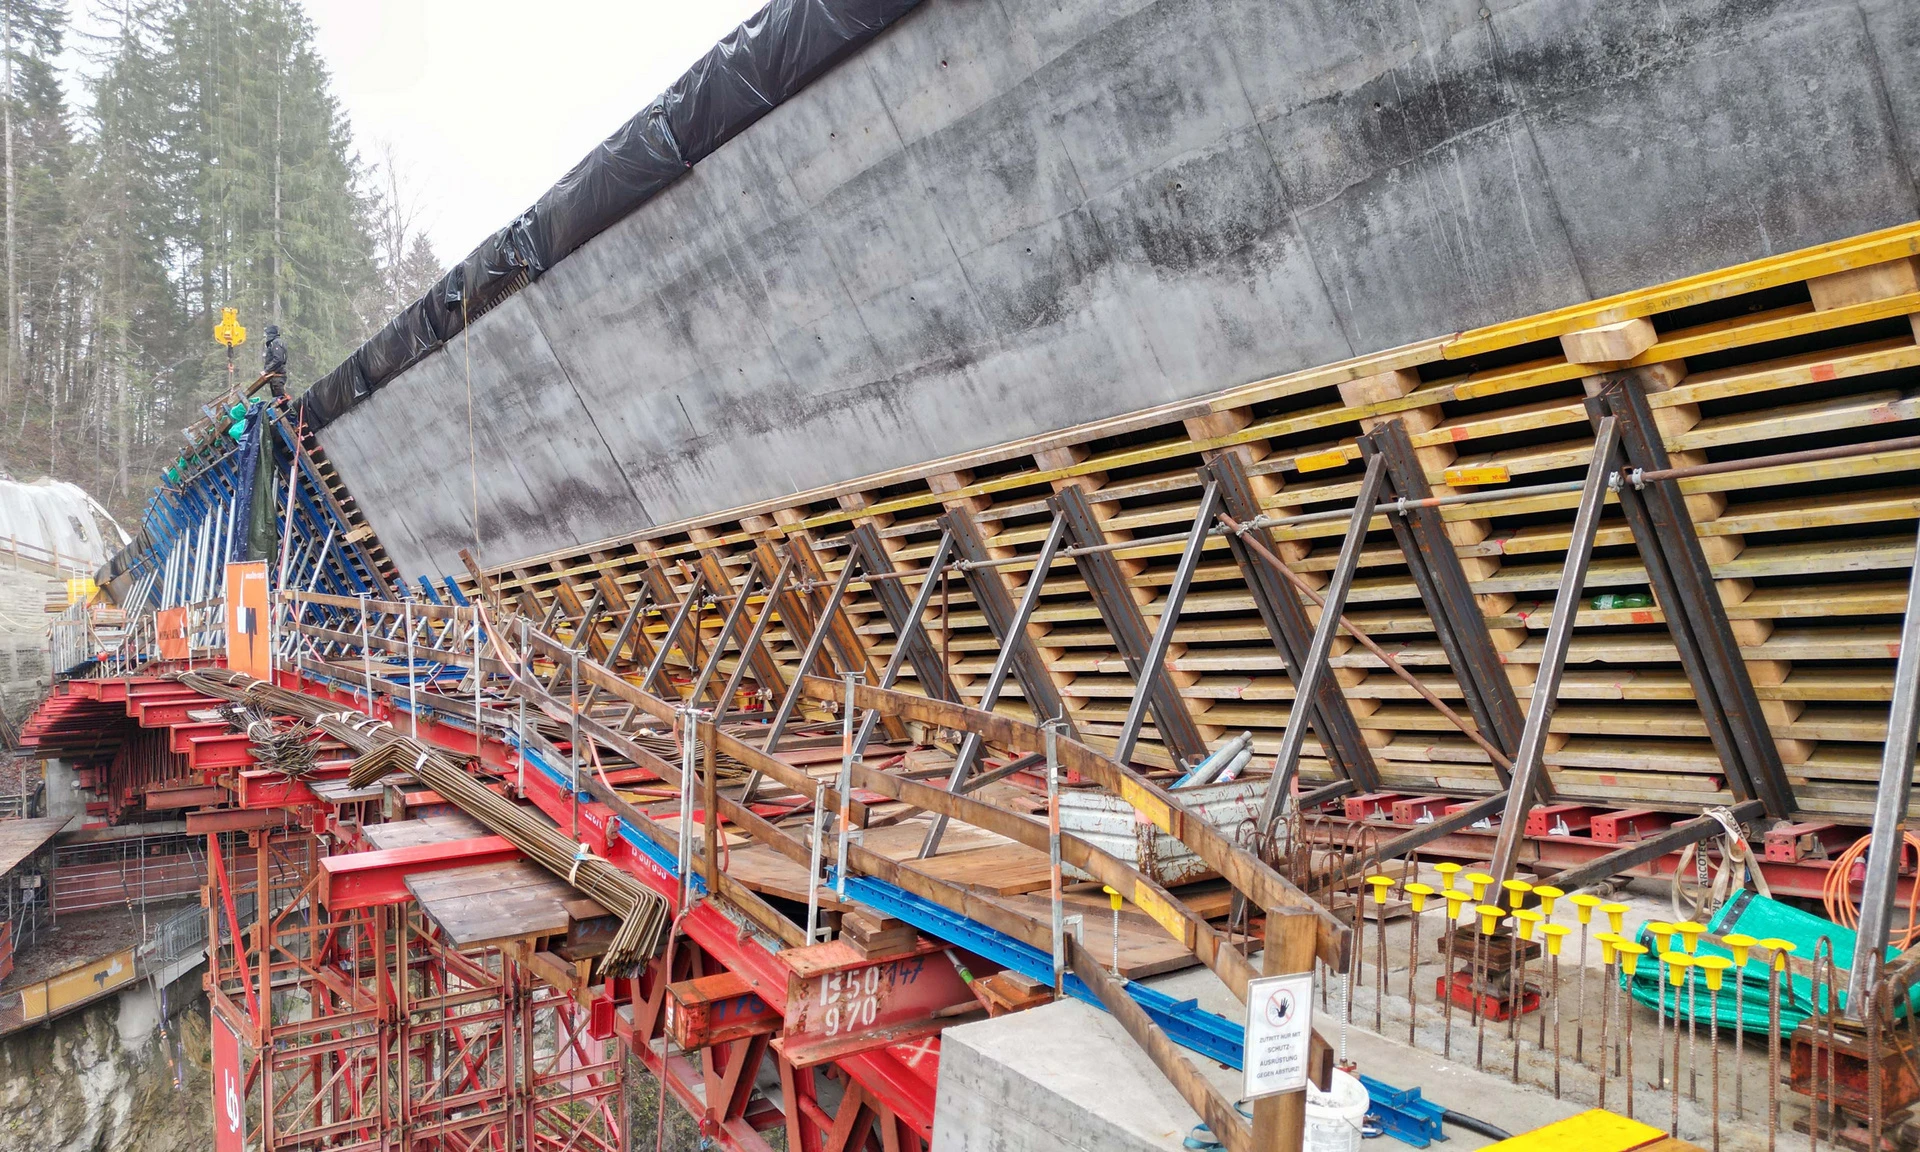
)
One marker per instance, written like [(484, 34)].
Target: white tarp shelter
[(54, 522)]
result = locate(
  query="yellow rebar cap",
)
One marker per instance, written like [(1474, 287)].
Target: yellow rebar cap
[(1739, 942), (1490, 915), (1554, 933), (1418, 893), (1114, 898), (1479, 880), (1527, 919), (1780, 949), (1516, 891), (1630, 954), (1616, 914), (1715, 968), (1678, 964), (1380, 886), (1456, 900), (1447, 868), (1608, 942), (1583, 905), (1547, 894), (1660, 930), (1689, 934)]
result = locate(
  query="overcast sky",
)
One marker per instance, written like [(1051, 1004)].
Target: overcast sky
[(487, 102)]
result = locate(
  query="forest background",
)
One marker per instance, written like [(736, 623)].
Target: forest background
[(195, 160)]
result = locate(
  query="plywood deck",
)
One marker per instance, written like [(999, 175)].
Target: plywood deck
[(491, 903), (20, 839)]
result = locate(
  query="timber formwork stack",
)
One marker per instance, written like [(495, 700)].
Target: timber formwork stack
[(1810, 559)]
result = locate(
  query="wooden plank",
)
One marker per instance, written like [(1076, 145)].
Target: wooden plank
[(491, 903), (425, 830), (1003, 870)]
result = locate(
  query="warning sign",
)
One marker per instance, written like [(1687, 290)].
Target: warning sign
[(1279, 1030)]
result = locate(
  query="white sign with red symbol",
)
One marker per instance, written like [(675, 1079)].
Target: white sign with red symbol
[(1279, 1030)]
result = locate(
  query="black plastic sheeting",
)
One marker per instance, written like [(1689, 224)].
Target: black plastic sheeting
[(760, 64)]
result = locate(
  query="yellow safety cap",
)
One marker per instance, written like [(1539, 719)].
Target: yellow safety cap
[(1447, 868), (1418, 893), (1583, 905), (1715, 968), (1527, 918), (1457, 900), (1479, 880), (1677, 965), (1739, 942), (1380, 886), (1490, 915), (1554, 933), (1608, 942), (1689, 934), (1516, 891), (1616, 914), (1547, 894), (1660, 930), (1630, 954), (1113, 898), (1780, 949)]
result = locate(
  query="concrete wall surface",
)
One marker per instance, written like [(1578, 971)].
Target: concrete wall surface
[(1005, 217)]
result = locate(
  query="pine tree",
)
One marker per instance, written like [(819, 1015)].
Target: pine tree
[(418, 271), (32, 122), (211, 168)]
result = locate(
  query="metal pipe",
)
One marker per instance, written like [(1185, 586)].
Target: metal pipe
[(997, 679), (1153, 664), (753, 641), (916, 618), (413, 687), (726, 633), (1528, 760), (1638, 477), (1053, 858), (1307, 681), (1366, 641), (846, 779), (673, 632), (791, 700), (1889, 811)]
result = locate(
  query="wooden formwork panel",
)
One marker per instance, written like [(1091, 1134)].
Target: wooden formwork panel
[(1811, 560)]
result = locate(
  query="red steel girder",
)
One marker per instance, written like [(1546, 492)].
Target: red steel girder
[(363, 879)]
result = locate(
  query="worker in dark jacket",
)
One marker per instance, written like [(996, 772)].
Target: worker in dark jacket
[(275, 368)]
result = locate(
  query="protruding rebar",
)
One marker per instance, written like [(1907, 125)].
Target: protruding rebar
[(1630, 953), (1608, 941), (1679, 967), (1662, 933), (1776, 964), (1418, 894), (1739, 943), (1456, 900), (1490, 915), (1583, 905), (1715, 967)]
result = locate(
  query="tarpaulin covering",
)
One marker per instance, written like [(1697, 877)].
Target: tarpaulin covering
[(1743, 1002), (763, 62)]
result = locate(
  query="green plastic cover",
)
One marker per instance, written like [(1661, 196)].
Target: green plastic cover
[(1743, 998)]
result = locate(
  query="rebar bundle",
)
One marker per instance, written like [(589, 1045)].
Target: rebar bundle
[(283, 745), (381, 750)]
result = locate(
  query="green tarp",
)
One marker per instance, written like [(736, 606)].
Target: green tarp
[(1743, 1002)]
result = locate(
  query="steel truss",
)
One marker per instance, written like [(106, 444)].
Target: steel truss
[(361, 1028)]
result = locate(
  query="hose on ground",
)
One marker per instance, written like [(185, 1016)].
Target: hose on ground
[(1475, 1124)]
